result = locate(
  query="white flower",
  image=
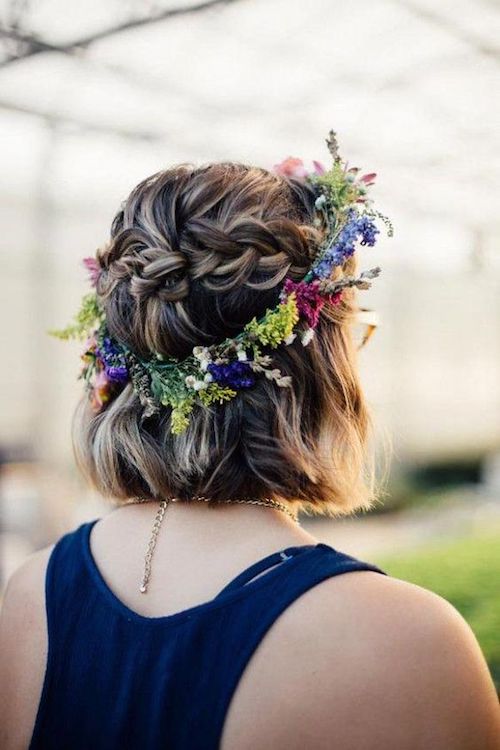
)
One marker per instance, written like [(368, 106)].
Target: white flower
[(242, 355), (285, 381), (204, 364), (265, 360), (291, 337), (320, 202), (199, 385), (307, 336), (201, 352), (208, 377), (190, 380), (273, 374)]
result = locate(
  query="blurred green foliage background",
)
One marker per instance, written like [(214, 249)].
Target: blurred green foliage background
[(466, 572)]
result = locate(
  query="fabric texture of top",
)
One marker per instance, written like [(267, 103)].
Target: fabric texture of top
[(117, 679)]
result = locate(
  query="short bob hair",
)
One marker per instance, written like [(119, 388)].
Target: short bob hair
[(195, 253)]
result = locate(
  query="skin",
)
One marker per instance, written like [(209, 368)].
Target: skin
[(359, 662)]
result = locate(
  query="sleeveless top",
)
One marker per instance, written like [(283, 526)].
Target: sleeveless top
[(117, 679)]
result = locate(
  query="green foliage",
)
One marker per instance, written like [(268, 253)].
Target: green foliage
[(183, 407), (466, 572), (216, 393), (168, 388), (88, 317), (277, 324), (341, 190), (172, 391)]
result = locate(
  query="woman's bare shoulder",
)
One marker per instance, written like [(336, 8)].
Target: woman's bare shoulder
[(24, 596), (371, 661), (23, 649)]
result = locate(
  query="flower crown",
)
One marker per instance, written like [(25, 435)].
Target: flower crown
[(214, 374)]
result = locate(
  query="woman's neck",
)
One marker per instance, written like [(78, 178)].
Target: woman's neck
[(219, 526)]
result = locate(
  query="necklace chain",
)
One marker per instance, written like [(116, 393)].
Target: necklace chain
[(269, 502)]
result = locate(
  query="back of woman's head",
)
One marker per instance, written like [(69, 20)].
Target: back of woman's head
[(195, 253)]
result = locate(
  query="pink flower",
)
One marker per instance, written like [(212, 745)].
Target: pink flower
[(309, 298), (90, 344), (361, 183), (93, 268), (334, 299), (101, 391), (318, 168), (291, 167), (369, 179)]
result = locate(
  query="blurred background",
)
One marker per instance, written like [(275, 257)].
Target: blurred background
[(97, 95)]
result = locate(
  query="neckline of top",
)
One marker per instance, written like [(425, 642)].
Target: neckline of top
[(294, 554)]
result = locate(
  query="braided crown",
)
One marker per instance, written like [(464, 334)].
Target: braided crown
[(224, 249)]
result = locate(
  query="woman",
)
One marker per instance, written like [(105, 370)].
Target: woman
[(222, 398)]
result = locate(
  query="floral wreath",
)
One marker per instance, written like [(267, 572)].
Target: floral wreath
[(214, 374)]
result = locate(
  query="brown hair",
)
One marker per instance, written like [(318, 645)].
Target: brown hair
[(195, 253)]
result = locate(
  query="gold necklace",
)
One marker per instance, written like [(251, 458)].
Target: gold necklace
[(269, 502)]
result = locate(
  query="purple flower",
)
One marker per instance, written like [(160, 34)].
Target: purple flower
[(116, 374), (234, 374), (109, 351), (113, 360), (356, 228)]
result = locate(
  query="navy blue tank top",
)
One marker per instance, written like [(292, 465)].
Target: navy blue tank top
[(117, 679)]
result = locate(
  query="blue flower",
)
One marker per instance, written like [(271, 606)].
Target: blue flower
[(356, 228), (368, 230), (116, 374), (234, 374)]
